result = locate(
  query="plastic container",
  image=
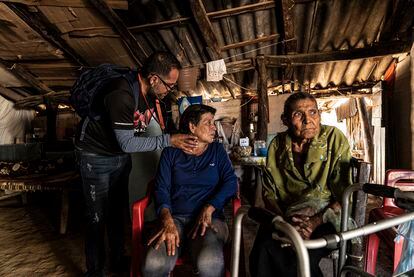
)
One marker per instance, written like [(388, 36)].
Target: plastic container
[(260, 148)]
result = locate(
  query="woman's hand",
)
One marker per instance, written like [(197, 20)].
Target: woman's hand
[(203, 221), (306, 221), (168, 233), (306, 225)]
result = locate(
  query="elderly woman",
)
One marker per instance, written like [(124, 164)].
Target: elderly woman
[(308, 168), (191, 191)]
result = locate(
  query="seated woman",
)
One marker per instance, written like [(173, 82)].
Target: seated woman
[(308, 168), (190, 192)]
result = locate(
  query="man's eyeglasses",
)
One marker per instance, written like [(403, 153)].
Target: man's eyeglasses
[(169, 87)]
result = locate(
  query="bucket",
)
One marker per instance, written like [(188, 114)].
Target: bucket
[(188, 78)]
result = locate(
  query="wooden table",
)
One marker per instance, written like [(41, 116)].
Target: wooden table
[(254, 163), (62, 182)]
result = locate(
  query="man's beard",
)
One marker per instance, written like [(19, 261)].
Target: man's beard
[(151, 94)]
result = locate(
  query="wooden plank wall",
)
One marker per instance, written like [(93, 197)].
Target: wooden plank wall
[(276, 103), (229, 108)]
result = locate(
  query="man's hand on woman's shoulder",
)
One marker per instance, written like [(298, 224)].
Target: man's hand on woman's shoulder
[(185, 142)]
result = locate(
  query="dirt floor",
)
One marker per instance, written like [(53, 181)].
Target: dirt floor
[(30, 244)]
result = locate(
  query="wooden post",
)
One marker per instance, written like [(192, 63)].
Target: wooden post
[(359, 210), (51, 116), (64, 212), (366, 130), (263, 100)]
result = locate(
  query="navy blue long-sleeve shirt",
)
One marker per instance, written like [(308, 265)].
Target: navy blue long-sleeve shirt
[(185, 183)]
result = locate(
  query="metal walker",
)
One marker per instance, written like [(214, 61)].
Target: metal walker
[(405, 199)]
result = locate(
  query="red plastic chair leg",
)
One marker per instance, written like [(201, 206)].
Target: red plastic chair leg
[(371, 253), (398, 251)]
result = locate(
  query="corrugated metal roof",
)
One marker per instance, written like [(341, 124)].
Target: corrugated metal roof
[(82, 36), (340, 25)]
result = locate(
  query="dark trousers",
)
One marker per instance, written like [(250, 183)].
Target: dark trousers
[(268, 258), (105, 188)]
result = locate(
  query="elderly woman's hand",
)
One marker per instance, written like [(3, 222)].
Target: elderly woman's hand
[(168, 233), (306, 225), (203, 221), (306, 221)]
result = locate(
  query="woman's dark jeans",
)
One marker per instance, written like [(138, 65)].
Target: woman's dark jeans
[(105, 188), (206, 252)]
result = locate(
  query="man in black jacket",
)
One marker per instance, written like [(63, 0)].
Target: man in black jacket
[(103, 147)]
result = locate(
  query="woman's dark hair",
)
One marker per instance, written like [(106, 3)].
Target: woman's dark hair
[(291, 101), (160, 63), (193, 115)]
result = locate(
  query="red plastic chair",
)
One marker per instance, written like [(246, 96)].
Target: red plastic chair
[(394, 178), (138, 210)]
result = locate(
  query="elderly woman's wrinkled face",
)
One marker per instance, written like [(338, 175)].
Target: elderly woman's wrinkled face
[(205, 130), (305, 119)]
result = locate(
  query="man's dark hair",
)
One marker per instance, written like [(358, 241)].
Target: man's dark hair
[(193, 115), (291, 100), (160, 63)]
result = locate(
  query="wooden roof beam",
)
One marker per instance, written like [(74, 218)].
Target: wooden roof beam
[(380, 50), (114, 4), (208, 34), (360, 90), (211, 16), (206, 29), (35, 100), (48, 31), (27, 76), (286, 28), (9, 94), (240, 10), (136, 50), (392, 48), (249, 42), (242, 65), (161, 24)]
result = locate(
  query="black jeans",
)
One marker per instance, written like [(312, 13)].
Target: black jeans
[(268, 258), (105, 188)]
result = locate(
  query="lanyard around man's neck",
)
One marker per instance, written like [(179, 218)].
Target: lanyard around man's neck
[(159, 118)]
